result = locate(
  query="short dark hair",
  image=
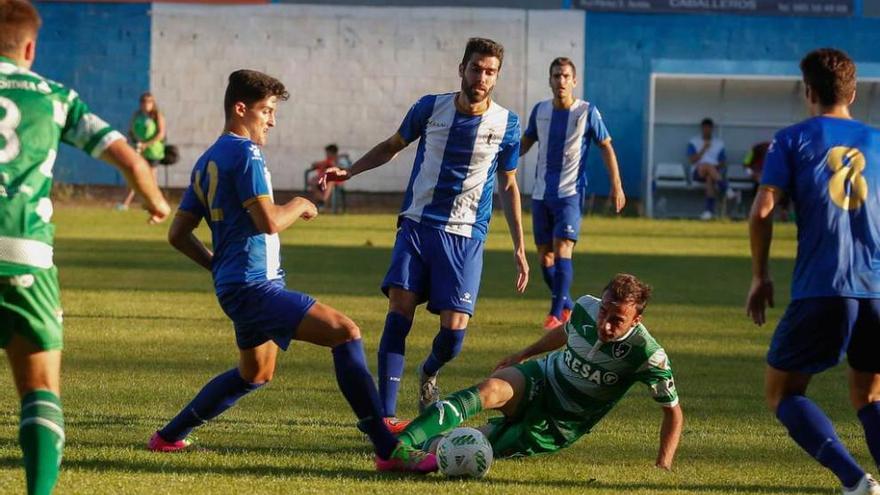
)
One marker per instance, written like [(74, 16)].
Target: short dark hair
[(707, 121), (831, 74), (625, 287), (249, 87), (18, 20), (483, 46), (561, 61), (331, 148)]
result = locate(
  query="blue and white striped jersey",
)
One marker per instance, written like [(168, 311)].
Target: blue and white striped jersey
[(564, 137), (228, 178), (453, 176)]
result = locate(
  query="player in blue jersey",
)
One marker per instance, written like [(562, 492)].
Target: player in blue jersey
[(564, 127), (231, 189), (465, 138), (829, 165)]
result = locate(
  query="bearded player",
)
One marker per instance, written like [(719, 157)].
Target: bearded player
[(465, 140)]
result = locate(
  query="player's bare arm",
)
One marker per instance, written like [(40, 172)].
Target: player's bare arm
[(696, 157), (670, 434), (550, 341), (761, 235), (510, 200), (182, 238), (137, 174), (609, 158), (525, 144), (381, 154), (270, 218)]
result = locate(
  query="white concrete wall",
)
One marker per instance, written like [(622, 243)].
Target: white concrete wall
[(352, 72)]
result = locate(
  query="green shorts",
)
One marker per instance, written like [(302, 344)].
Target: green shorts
[(30, 306), (540, 424)]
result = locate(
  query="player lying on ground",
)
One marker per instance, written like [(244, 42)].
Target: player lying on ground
[(549, 402), (232, 190), (35, 115), (465, 141), (829, 165)]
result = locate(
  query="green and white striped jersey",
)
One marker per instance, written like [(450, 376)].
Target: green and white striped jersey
[(35, 114), (588, 376)]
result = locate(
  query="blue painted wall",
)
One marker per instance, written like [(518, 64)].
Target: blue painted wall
[(103, 52), (621, 50)]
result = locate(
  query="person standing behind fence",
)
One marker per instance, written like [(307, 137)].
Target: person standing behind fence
[(706, 153), (147, 135)]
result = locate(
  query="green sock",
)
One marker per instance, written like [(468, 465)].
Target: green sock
[(41, 435), (442, 417)]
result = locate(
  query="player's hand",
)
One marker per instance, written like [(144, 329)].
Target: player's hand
[(522, 270), (760, 296), (333, 174), (159, 212), (309, 210), (618, 198), (508, 361)]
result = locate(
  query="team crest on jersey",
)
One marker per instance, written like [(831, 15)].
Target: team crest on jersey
[(620, 349), (255, 150)]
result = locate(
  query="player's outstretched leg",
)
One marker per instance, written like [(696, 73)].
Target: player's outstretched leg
[(325, 326), (218, 395), (41, 429), (447, 344), (443, 416)]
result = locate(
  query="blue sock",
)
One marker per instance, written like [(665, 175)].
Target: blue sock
[(392, 348), (561, 285), (357, 387), (549, 272), (710, 204), (870, 418), (216, 396), (447, 345), (813, 431)]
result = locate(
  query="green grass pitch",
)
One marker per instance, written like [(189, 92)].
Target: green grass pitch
[(143, 332)]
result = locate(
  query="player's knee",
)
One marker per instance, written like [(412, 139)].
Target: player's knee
[(344, 330), (548, 258), (259, 376), (772, 398)]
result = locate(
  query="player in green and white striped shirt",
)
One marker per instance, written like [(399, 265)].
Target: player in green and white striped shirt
[(35, 115), (550, 402)]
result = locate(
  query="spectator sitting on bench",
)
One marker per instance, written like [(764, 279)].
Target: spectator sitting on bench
[(322, 197), (706, 154)]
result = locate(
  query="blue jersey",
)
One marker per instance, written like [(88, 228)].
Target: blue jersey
[(228, 178), (831, 169), (564, 136), (453, 176)]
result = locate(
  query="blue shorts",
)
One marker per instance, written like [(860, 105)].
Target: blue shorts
[(556, 219), (814, 333), (443, 269), (264, 311)]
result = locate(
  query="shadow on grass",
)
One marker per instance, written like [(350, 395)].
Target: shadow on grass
[(358, 271), (368, 475)]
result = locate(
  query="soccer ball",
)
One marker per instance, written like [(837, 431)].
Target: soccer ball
[(464, 452)]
